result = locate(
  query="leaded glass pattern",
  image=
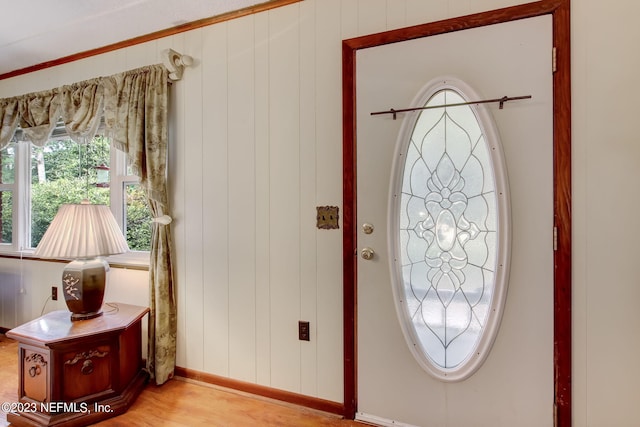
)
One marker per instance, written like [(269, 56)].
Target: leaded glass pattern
[(448, 224)]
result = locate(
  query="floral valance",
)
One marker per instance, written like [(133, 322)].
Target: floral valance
[(80, 106)]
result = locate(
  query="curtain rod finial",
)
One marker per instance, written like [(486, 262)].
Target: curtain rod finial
[(175, 63)]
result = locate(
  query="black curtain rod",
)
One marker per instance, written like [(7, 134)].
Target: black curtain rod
[(484, 101)]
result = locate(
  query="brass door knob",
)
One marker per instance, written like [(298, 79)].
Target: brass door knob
[(367, 253)]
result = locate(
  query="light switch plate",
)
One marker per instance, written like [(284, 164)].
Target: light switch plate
[(327, 217)]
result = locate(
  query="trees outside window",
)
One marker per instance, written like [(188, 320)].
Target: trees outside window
[(62, 172)]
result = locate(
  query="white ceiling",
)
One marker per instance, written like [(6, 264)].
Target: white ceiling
[(36, 31)]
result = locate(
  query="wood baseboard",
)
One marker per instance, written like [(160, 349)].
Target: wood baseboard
[(264, 391)]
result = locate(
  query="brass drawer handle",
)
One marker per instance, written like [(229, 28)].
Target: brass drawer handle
[(87, 367), (34, 371)]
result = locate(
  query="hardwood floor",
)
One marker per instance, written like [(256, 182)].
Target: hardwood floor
[(184, 403), (8, 374)]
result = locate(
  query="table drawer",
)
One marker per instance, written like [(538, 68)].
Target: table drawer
[(86, 373)]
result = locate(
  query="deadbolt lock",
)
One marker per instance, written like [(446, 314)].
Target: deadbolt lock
[(367, 228)]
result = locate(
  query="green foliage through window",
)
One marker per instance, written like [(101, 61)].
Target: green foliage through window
[(138, 219), (65, 172), (6, 216), (7, 178)]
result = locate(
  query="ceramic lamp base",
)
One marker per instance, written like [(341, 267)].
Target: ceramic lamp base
[(83, 284)]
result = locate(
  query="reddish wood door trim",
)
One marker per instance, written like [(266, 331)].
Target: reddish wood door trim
[(559, 9)]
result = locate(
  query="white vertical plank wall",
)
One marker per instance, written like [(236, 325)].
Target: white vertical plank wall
[(213, 74), (328, 113), (308, 173), (241, 199), (263, 308), (195, 265), (285, 244), (256, 134)]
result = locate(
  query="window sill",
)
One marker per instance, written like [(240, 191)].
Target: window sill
[(130, 260), (133, 260)]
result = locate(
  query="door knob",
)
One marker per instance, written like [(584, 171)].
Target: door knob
[(367, 253)]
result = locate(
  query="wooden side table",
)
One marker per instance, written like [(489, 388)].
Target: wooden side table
[(78, 373)]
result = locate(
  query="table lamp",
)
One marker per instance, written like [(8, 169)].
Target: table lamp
[(83, 232)]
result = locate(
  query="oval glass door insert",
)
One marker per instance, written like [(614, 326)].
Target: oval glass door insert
[(449, 231)]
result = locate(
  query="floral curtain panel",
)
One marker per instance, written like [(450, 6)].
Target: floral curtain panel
[(134, 105), (136, 119)]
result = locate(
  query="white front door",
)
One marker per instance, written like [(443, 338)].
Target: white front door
[(514, 386)]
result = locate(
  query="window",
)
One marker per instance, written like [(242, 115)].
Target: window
[(450, 216), (131, 204), (136, 220), (35, 181), (7, 187)]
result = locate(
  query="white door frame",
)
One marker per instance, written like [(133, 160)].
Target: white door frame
[(559, 9)]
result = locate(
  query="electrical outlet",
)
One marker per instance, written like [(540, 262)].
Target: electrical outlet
[(303, 331), (54, 293)]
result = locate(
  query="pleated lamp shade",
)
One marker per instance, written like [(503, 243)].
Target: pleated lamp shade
[(82, 231)]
